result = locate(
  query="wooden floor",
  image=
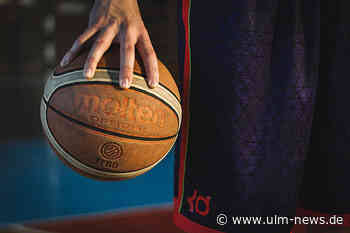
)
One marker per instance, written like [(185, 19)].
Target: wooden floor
[(141, 220), (148, 220)]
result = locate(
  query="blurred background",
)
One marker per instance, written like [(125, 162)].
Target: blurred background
[(35, 185)]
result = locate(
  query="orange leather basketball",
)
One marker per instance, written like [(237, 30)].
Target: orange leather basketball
[(105, 132)]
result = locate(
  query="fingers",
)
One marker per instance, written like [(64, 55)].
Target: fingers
[(127, 58), (102, 43), (127, 37), (149, 58), (68, 57)]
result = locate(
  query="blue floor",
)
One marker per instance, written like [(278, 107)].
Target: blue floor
[(36, 185)]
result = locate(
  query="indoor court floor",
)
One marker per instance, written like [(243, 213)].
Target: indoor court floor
[(39, 190)]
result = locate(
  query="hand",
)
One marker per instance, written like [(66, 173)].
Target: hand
[(117, 21)]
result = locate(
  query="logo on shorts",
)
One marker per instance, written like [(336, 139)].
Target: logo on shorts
[(111, 151), (199, 204)]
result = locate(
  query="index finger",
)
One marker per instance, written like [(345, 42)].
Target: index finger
[(102, 43)]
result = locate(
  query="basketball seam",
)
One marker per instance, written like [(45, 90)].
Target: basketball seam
[(102, 76), (108, 83), (93, 172), (106, 68), (106, 131)]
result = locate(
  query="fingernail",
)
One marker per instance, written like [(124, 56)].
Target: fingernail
[(127, 83), (153, 84), (88, 73), (122, 84)]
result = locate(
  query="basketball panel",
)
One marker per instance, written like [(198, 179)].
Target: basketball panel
[(128, 112), (105, 152)]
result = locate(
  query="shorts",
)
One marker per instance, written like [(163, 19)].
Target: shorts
[(265, 119)]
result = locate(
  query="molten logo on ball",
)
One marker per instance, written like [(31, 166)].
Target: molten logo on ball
[(111, 151), (126, 108)]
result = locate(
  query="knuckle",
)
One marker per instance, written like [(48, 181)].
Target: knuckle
[(129, 47), (154, 72), (131, 30), (113, 22), (100, 41), (91, 60), (149, 52), (129, 34), (130, 38), (145, 35), (127, 70)]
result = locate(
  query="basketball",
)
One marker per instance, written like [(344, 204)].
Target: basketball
[(103, 131)]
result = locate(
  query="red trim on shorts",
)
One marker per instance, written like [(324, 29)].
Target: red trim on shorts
[(185, 105), (305, 212), (189, 226)]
